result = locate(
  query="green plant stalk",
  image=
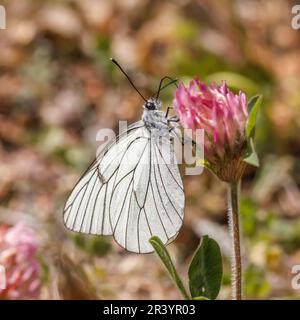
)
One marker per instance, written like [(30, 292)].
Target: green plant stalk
[(163, 254), (234, 227)]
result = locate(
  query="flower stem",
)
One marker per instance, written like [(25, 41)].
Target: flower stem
[(236, 262)]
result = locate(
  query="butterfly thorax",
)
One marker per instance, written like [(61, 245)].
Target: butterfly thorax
[(154, 119)]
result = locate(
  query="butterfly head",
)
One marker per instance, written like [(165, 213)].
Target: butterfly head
[(152, 104)]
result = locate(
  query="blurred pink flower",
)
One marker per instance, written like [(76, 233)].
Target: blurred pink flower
[(18, 249), (223, 115)]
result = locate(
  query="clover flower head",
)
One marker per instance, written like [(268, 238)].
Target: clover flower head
[(223, 116), (18, 249)]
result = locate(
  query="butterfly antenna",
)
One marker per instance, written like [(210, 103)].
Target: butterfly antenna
[(160, 88), (127, 76)]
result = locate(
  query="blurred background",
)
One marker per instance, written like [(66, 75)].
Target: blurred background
[(58, 88)]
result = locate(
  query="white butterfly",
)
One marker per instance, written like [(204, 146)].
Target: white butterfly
[(132, 200)]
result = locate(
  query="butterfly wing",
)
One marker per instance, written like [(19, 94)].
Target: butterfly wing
[(86, 209), (153, 203), (131, 191)]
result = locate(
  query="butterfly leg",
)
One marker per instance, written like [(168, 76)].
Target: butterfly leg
[(173, 119), (167, 112)]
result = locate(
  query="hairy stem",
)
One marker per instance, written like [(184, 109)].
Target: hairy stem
[(236, 261)]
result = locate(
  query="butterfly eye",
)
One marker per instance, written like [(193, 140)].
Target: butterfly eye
[(150, 105)]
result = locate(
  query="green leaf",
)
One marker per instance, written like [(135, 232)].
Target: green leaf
[(166, 260), (253, 107), (205, 271), (251, 155)]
